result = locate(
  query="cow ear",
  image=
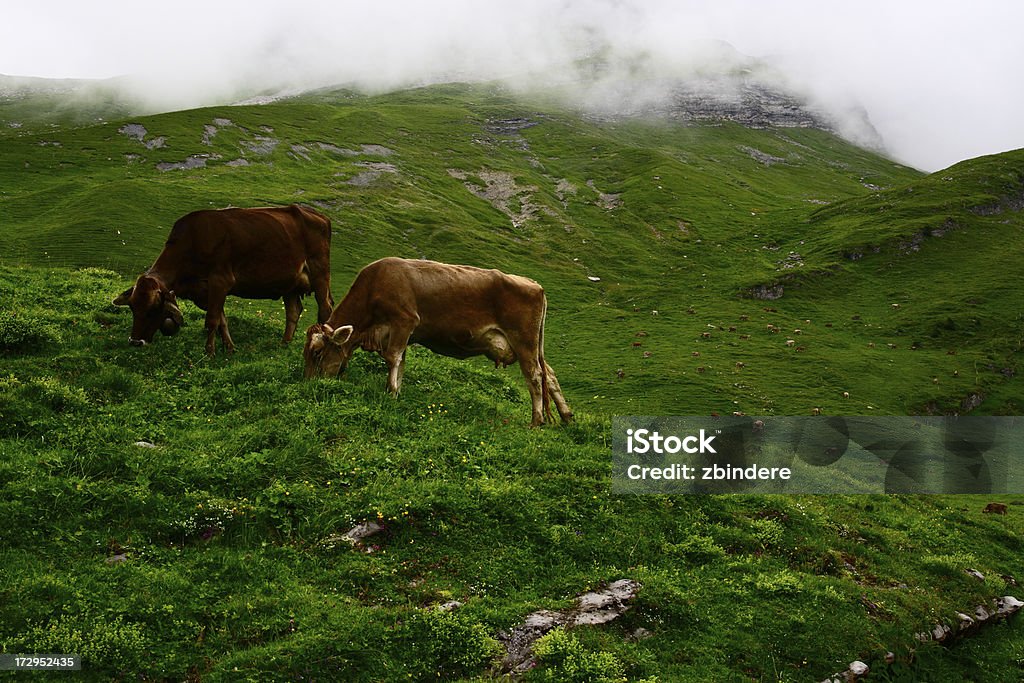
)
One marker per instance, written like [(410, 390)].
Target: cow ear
[(124, 297), (342, 334)]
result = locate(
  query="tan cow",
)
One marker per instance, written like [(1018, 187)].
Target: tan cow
[(264, 253), (457, 311)]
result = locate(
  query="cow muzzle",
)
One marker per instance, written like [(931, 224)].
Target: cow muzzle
[(136, 342)]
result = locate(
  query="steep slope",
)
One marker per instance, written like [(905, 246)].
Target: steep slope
[(931, 273)]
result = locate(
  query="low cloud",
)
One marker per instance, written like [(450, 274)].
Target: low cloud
[(937, 79)]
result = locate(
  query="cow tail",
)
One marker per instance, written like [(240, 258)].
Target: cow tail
[(545, 401)]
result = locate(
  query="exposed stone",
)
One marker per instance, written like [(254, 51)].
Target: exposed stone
[(261, 145), (136, 131), (300, 151), (375, 170), (1007, 605), (501, 190), (605, 200), (362, 531), (194, 161), (449, 606), (761, 157), (767, 292), (971, 402), (592, 608)]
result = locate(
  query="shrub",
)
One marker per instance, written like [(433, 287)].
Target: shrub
[(108, 645), (22, 334), (447, 644), (564, 659)]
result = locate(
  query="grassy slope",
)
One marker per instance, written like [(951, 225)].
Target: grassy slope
[(228, 530)]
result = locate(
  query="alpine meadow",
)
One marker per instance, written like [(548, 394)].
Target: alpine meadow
[(173, 516)]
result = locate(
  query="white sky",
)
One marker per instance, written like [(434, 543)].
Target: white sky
[(941, 81)]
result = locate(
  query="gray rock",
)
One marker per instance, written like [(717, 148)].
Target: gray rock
[(362, 531), (1007, 605), (591, 608), (449, 606), (190, 163), (136, 131)]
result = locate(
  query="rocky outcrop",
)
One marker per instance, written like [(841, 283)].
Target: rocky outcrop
[(591, 609)]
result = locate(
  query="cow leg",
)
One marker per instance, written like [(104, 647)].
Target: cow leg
[(292, 313), (212, 326), (225, 335), (555, 392), (216, 322), (319, 266), (396, 368), (324, 302), (531, 371)]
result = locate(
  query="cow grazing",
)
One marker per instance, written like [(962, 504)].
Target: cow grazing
[(456, 311), (265, 253)]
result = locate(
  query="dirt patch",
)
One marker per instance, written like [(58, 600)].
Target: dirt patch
[(500, 189), (364, 150), (563, 190), (375, 169), (299, 152), (510, 126), (138, 132), (606, 201), (135, 131), (194, 161), (376, 151), (761, 157), (261, 145)]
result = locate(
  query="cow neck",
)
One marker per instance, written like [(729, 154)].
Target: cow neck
[(161, 273), (346, 313)]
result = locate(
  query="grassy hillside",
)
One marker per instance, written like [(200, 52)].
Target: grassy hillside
[(216, 554), (683, 221), (177, 516)]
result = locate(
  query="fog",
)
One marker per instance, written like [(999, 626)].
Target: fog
[(940, 81)]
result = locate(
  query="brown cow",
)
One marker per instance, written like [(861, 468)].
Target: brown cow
[(457, 311), (265, 253)]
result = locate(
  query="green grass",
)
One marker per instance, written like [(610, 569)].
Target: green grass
[(233, 567)]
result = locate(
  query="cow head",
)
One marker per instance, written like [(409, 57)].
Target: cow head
[(327, 350), (154, 307)]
